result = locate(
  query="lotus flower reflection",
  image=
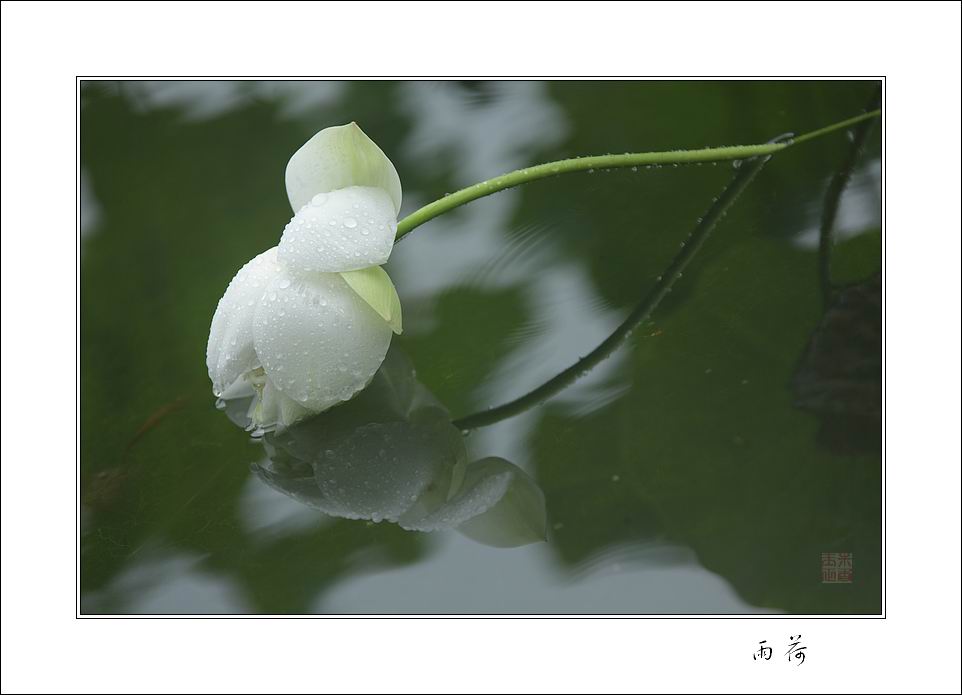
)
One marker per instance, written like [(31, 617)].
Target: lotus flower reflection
[(392, 454), (306, 324)]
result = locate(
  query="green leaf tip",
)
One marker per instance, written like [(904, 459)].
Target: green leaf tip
[(374, 286)]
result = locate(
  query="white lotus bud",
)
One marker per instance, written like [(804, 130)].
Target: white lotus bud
[(305, 326)]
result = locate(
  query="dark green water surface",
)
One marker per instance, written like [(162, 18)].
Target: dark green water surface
[(704, 467)]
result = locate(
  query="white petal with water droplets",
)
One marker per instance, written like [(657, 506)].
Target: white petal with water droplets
[(273, 408), (497, 504), (381, 469), (339, 157), (372, 458), (230, 347), (470, 499), (347, 229), (317, 340), (517, 517)]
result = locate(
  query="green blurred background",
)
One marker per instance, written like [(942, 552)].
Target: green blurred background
[(703, 468)]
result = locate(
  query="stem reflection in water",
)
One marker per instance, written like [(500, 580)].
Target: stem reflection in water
[(746, 172)]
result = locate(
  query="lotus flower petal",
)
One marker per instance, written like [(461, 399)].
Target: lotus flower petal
[(373, 458), (340, 157), (230, 347), (497, 504), (317, 340), (517, 517), (382, 470), (346, 229), (274, 407)]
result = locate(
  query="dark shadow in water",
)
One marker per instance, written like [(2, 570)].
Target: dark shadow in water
[(839, 377)]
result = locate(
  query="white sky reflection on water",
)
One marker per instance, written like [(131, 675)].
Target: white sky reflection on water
[(91, 211), (206, 99), (859, 208), (479, 139), (526, 581), (265, 511), (485, 137), (160, 583)]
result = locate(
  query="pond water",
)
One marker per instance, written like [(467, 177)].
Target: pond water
[(721, 460)]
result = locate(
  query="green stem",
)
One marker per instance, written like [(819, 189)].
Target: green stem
[(841, 125), (610, 161), (833, 196), (638, 315)]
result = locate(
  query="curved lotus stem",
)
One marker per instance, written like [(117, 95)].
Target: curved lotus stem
[(641, 312), (758, 154), (612, 161)]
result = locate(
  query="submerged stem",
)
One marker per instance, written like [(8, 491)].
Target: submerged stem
[(833, 196), (610, 161), (640, 313)]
